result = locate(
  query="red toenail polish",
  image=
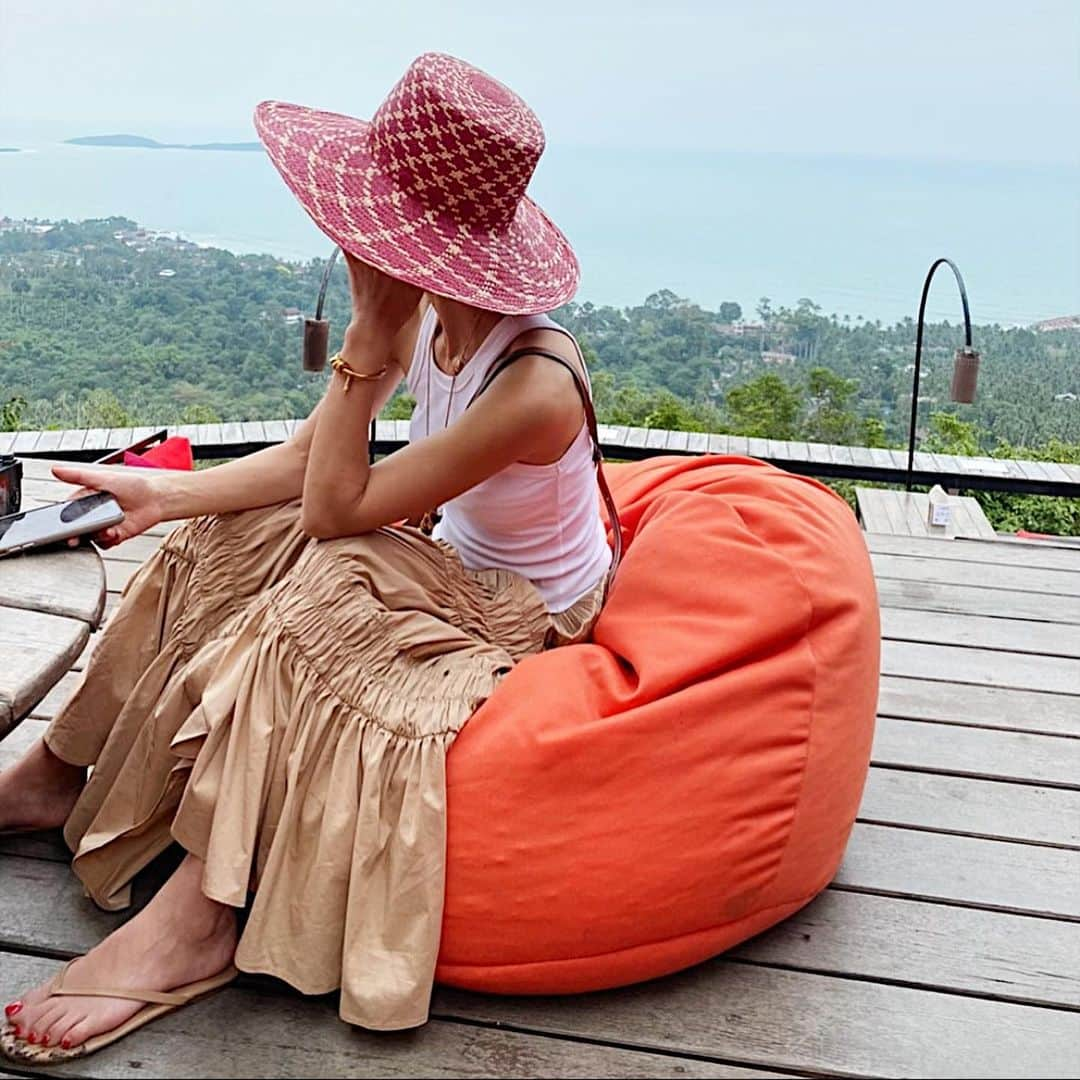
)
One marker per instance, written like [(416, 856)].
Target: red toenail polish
[(44, 1040), (31, 1038), (65, 1042), (13, 1008)]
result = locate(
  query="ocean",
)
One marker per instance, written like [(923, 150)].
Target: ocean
[(856, 235)]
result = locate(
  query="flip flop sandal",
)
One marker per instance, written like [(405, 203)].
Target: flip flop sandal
[(157, 1004)]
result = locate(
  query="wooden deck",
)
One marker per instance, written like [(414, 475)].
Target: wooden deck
[(948, 946), (628, 443)]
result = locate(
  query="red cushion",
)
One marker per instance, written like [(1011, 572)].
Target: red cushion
[(624, 808), (173, 453)]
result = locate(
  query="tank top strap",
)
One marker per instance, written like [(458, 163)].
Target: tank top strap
[(503, 336)]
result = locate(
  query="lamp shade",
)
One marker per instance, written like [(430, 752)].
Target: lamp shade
[(965, 375)]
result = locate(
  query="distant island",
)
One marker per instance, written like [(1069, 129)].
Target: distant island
[(143, 143), (9, 149)]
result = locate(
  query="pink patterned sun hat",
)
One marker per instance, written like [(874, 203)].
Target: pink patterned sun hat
[(432, 190)]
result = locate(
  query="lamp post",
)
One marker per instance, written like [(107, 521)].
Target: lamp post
[(965, 362)]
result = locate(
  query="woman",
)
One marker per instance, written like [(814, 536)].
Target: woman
[(281, 682)]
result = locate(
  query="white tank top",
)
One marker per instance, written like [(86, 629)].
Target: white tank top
[(540, 521)]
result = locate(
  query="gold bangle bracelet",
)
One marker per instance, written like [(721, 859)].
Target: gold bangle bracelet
[(338, 364)]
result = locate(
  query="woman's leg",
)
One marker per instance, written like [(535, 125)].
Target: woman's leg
[(39, 790), (179, 938)]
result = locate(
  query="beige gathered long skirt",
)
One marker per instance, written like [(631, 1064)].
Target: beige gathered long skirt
[(283, 708)]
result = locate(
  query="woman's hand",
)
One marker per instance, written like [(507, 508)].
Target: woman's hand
[(139, 491), (381, 304)]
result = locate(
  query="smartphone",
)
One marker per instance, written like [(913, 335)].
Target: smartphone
[(57, 522)]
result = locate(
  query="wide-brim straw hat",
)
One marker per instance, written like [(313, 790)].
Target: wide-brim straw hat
[(431, 190)]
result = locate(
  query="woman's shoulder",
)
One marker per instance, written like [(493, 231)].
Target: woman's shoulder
[(549, 339)]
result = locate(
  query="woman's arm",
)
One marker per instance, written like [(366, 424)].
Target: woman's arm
[(149, 496), (522, 416)]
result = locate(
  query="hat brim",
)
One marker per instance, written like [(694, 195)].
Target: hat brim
[(325, 159)]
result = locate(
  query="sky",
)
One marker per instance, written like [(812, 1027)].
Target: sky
[(993, 80)]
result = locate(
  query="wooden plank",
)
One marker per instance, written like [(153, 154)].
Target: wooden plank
[(861, 457), (881, 457), (798, 451), (801, 1021), (720, 444), (980, 631), (276, 431), (982, 706), (37, 649), (872, 512), (401, 431), (965, 870), (985, 667), (967, 950), (253, 431), (7, 441), (698, 443), (1033, 470), (954, 572), (819, 452), (984, 466), (144, 432), (615, 437), (247, 1031), (972, 600), (137, 550), (989, 808), (118, 573), (636, 436), (25, 441), (982, 753), (70, 583), (776, 449), (656, 439), (73, 439), (979, 522), (48, 442), (96, 439), (210, 434), (232, 434), (989, 953), (47, 708), (118, 438), (757, 448), (1056, 473), (840, 455), (899, 523), (678, 441), (736, 445), (16, 742)]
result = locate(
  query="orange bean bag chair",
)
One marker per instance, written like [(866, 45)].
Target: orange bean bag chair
[(625, 808)]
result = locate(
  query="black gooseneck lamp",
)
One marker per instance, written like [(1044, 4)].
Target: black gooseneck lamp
[(317, 329), (965, 363)]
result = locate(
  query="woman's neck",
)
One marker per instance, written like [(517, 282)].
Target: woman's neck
[(463, 330)]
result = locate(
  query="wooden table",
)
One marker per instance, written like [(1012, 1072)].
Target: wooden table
[(905, 513), (50, 603)]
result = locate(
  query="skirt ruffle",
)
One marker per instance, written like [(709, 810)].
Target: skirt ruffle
[(283, 709)]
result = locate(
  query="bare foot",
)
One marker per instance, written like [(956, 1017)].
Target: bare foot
[(179, 938), (39, 790)]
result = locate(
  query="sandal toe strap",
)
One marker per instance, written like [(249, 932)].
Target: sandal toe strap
[(60, 988)]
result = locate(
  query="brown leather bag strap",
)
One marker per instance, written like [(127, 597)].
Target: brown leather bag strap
[(590, 420)]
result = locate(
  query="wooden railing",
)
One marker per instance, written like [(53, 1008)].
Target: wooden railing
[(626, 443)]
